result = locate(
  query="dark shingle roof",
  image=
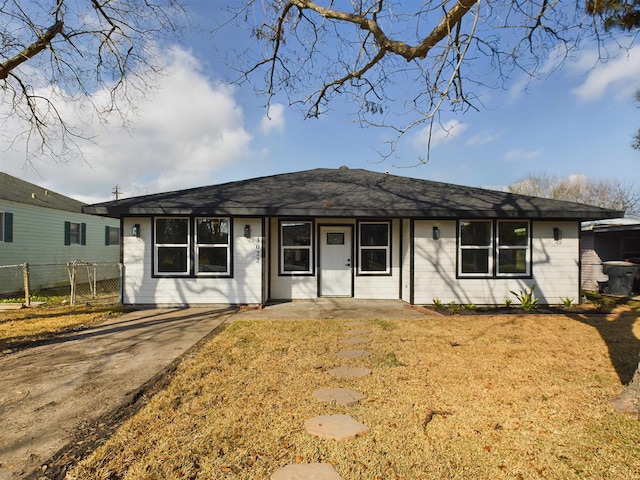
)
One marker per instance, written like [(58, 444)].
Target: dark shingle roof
[(347, 193), (15, 190)]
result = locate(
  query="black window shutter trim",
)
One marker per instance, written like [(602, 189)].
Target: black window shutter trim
[(67, 233), (8, 227)]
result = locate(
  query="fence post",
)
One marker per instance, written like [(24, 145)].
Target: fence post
[(72, 280), (121, 283), (95, 281), (25, 279)]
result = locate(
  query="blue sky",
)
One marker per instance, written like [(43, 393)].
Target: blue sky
[(195, 130)]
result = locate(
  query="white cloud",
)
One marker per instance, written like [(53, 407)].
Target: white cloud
[(441, 133), (483, 137), (181, 134), (273, 120), (519, 154), (618, 75)]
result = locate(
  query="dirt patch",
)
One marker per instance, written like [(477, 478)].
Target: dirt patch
[(63, 398)]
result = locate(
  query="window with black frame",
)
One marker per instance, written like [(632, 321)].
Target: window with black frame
[(172, 246), (513, 248), (296, 247), (488, 248), (374, 241), (212, 246)]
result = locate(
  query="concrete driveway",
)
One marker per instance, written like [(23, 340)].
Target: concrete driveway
[(59, 401), (57, 393)]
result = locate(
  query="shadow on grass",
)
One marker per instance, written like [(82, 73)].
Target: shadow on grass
[(616, 329)]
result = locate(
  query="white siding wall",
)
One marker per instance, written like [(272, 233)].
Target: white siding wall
[(406, 261), (555, 267), (244, 288), (38, 237)]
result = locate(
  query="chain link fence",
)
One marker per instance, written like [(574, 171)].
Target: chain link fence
[(74, 282)]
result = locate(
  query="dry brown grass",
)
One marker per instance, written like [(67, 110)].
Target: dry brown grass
[(528, 396), (30, 325)]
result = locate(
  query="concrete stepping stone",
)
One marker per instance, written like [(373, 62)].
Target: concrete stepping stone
[(349, 372), (355, 340), (353, 353), (355, 324), (343, 396), (307, 471), (335, 427), (359, 331)]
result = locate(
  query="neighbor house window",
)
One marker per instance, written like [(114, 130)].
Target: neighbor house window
[(75, 233), (172, 246), (6, 227), (488, 248), (296, 247), (212, 246), (111, 236), (374, 242)]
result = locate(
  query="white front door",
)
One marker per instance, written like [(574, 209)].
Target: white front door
[(336, 250)]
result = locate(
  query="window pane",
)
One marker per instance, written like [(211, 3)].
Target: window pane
[(475, 233), (373, 260), (296, 234), (374, 234), (172, 259), (513, 234), (212, 259), (114, 236), (213, 230), (172, 231), (475, 261), (513, 260), (296, 260), (74, 233)]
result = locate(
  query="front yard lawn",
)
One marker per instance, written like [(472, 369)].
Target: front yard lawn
[(521, 396)]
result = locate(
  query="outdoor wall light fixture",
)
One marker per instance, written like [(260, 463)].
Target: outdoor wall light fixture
[(557, 234), (135, 230), (247, 231), (436, 233)]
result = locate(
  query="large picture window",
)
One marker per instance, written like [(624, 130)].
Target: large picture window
[(172, 246), (212, 246), (374, 248), (296, 248), (488, 248)]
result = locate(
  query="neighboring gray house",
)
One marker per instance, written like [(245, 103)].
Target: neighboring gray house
[(346, 233), (38, 226), (607, 240)]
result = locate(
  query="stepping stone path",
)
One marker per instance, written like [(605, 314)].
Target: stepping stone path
[(343, 396), (359, 331), (353, 353), (335, 427), (349, 372), (355, 340), (309, 471), (355, 324), (339, 427)]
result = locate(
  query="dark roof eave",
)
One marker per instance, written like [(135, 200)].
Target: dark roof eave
[(578, 215)]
